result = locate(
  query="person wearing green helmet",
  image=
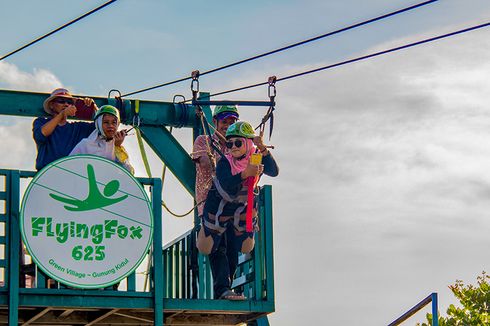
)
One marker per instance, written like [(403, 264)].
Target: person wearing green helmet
[(203, 153), (224, 211), (105, 140)]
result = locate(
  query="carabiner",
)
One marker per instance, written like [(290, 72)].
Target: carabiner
[(195, 84)]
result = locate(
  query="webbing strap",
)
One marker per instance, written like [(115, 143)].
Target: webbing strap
[(143, 152), (236, 218), (221, 191)]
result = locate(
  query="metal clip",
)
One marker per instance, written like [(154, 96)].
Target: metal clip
[(272, 87), (195, 83), (176, 96), (114, 90)]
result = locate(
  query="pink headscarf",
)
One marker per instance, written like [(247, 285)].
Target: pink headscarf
[(238, 166)]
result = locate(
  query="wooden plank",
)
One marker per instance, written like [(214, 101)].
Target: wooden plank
[(66, 313), (103, 316), (135, 317), (37, 316)]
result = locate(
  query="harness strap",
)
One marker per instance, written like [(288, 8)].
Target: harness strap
[(222, 204), (236, 218), (221, 191), (215, 227)]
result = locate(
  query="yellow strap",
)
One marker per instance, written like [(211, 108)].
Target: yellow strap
[(143, 151), (137, 106)]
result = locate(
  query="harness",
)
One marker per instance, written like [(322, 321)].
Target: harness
[(239, 198)]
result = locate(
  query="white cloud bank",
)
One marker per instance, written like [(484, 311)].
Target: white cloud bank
[(384, 190), (39, 80)]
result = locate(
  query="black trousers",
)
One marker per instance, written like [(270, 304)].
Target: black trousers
[(224, 262)]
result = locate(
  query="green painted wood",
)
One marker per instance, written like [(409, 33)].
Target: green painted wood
[(85, 298), (12, 207), (156, 197), (3, 218), (172, 154), (219, 305), (69, 298), (40, 279), (170, 267), (186, 273), (177, 270), (259, 262), (3, 195), (209, 280), (131, 280), (269, 248), (165, 273)]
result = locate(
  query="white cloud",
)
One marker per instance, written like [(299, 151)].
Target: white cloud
[(39, 80), (385, 181)]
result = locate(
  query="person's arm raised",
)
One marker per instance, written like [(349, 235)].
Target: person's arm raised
[(49, 127)]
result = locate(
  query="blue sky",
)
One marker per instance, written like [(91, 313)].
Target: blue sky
[(383, 195)]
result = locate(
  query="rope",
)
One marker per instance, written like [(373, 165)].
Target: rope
[(181, 215), (369, 21), (359, 58), (58, 29), (164, 205)]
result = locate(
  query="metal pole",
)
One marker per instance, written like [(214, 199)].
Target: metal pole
[(435, 315)]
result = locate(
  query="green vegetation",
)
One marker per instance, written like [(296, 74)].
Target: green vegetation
[(475, 305)]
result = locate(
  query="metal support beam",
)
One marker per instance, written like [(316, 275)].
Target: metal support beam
[(29, 104), (172, 154)]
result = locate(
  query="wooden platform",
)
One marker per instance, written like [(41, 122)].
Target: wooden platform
[(73, 307)]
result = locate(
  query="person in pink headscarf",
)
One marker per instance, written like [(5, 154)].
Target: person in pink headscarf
[(226, 202)]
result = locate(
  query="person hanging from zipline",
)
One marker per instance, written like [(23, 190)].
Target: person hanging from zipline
[(204, 155), (106, 141), (226, 203)]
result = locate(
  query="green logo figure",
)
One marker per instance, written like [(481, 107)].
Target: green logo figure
[(94, 198)]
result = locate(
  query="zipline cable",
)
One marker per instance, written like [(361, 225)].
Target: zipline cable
[(357, 59), (58, 29), (372, 20)]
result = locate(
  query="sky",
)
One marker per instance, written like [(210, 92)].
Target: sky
[(384, 191)]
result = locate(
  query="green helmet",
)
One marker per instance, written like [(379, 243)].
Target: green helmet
[(223, 111), (107, 109), (240, 129)]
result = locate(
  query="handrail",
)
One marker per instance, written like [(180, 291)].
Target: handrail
[(430, 298), (254, 275)]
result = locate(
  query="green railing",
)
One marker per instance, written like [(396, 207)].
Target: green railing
[(43, 292), (254, 274), (170, 276)]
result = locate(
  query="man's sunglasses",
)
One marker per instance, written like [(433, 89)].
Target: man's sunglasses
[(238, 143), (63, 101)]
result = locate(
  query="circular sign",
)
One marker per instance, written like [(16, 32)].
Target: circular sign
[(86, 221)]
